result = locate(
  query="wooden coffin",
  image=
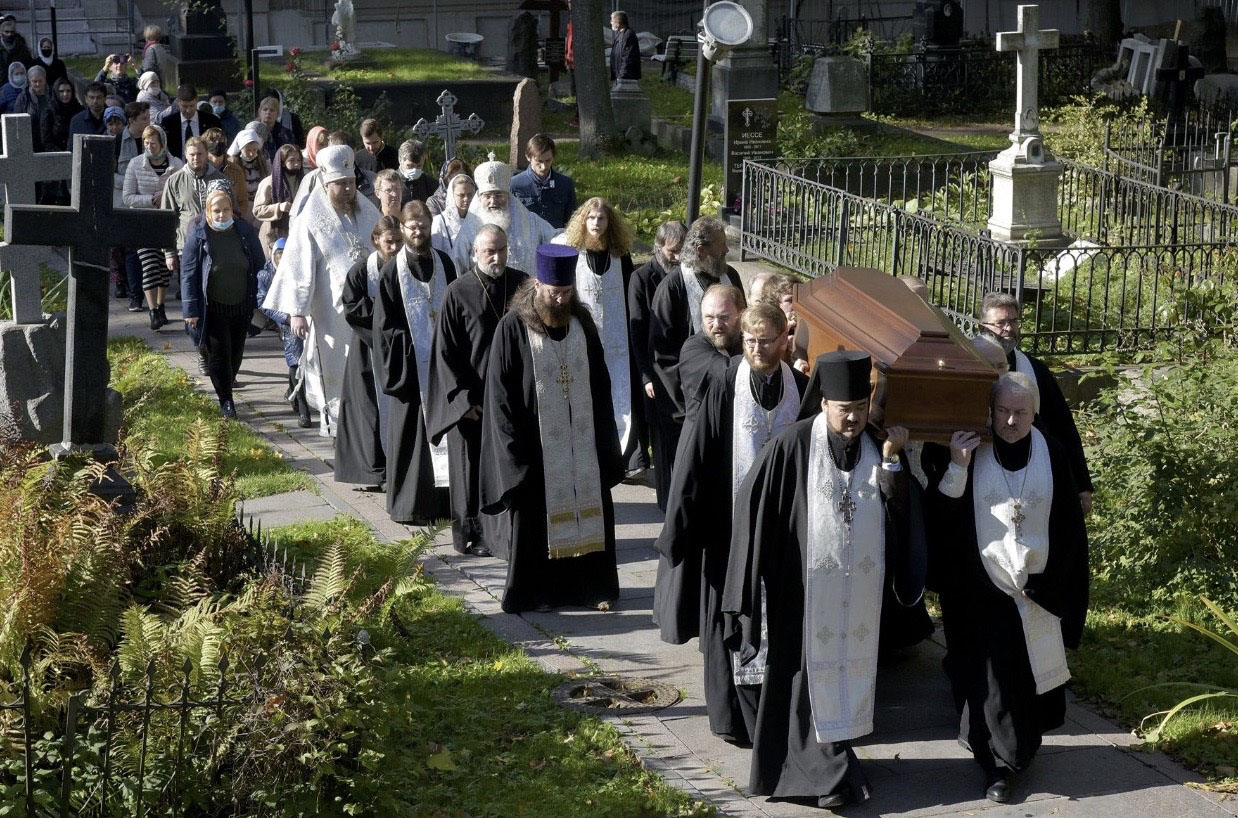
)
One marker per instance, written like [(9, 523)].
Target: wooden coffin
[(927, 375)]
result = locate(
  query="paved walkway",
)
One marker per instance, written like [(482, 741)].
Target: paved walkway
[(916, 767)]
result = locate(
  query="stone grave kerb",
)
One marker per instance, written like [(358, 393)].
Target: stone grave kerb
[(20, 169), (88, 227)]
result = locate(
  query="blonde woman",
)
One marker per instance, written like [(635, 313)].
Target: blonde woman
[(145, 177)]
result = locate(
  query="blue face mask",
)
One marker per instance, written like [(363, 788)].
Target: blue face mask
[(219, 109), (222, 225)]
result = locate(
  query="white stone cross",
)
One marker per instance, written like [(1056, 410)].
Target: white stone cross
[(1027, 42), (20, 168), (448, 125)]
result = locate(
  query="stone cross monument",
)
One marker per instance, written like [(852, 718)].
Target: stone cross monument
[(1025, 175), (448, 125), (88, 227), (20, 169)]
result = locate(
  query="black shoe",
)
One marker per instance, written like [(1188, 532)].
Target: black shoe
[(478, 550), (543, 607), (831, 801), (136, 306), (303, 413), (163, 315), (227, 410), (997, 789), (154, 319)]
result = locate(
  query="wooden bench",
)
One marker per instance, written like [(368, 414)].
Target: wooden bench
[(678, 47)]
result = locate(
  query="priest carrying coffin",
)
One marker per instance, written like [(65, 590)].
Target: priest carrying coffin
[(757, 397), (820, 520), (550, 449), (1014, 583)]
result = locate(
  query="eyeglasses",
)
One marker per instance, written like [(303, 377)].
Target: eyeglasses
[(1008, 322)]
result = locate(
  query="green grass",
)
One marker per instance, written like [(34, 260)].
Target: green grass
[(396, 65), (474, 729), (161, 404)]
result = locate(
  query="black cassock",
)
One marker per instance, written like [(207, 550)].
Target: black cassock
[(1056, 420), (694, 549), (770, 543), (1002, 718), (641, 287), (412, 496), (670, 325), (359, 456), (512, 474), (471, 311)]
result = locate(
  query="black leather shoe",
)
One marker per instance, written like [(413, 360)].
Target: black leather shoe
[(154, 319), (227, 410), (997, 789), (479, 550), (831, 801)]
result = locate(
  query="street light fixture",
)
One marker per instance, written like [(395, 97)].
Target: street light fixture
[(724, 26)]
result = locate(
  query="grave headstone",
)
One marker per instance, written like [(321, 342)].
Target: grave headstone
[(1176, 80), (751, 133), (448, 125), (1209, 41), (1025, 175), (20, 169), (88, 227), (838, 87), (204, 52), (631, 106), (526, 121), (749, 72), (522, 46), (937, 23), (1143, 57)]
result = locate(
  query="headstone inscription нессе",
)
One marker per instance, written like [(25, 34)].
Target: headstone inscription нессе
[(448, 125), (20, 169), (751, 133), (526, 122), (88, 227)]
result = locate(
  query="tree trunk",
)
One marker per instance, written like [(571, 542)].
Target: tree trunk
[(597, 119), (1105, 21)]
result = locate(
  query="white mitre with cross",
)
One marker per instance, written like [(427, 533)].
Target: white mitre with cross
[(493, 176)]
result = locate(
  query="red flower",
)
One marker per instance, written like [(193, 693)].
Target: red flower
[(289, 66), (249, 83), (295, 51), (335, 45)]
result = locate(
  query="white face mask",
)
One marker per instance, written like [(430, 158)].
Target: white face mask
[(412, 174)]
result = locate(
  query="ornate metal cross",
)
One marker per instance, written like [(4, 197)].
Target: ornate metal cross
[(847, 506), (564, 380), (88, 227), (448, 125), (1027, 41), (1018, 518), (20, 169)]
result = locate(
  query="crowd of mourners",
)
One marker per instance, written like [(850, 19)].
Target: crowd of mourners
[(481, 347)]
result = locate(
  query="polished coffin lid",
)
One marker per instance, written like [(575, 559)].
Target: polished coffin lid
[(926, 371)]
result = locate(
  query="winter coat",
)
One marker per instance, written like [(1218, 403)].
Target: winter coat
[(196, 272)]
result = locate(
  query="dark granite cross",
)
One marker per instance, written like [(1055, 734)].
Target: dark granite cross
[(88, 227), (1179, 83), (448, 125)]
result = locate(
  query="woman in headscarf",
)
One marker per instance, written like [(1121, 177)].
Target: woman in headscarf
[(446, 225), (275, 194), (219, 288), (217, 155), (246, 154), (51, 63), (54, 136), (145, 178), (34, 101), (437, 202), (150, 90), (315, 141), (14, 88)]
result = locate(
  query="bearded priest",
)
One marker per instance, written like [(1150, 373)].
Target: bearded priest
[(756, 398), (1014, 584), (549, 444), (820, 520), (494, 204)]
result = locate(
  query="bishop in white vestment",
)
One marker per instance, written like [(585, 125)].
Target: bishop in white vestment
[(495, 205), (1013, 582), (822, 517), (326, 240)]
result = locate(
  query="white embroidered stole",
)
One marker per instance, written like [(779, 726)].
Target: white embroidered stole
[(1023, 364), (382, 400), (422, 302), (843, 588), (573, 480), (695, 294), (751, 428), (606, 299), (1012, 534)]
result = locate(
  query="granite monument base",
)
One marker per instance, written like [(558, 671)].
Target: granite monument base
[(1025, 180)]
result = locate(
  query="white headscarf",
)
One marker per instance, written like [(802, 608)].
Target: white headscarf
[(242, 139), (451, 214)]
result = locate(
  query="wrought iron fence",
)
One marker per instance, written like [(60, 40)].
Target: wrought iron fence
[(1190, 155), (822, 33), (84, 768), (1087, 297)]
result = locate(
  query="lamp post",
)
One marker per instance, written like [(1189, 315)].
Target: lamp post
[(723, 26)]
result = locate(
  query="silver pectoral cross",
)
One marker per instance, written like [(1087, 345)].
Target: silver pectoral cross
[(1018, 518), (564, 380), (847, 506)]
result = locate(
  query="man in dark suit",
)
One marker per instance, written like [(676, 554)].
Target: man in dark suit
[(625, 53), (184, 120)]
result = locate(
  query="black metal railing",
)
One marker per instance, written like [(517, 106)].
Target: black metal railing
[(1090, 296), (1189, 155)]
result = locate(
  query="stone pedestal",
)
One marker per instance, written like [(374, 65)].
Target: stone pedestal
[(203, 55), (1025, 179), (632, 108), (838, 88), (748, 73)]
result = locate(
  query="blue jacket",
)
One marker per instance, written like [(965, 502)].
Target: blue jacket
[(554, 198), (293, 346), (83, 122), (196, 272)]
